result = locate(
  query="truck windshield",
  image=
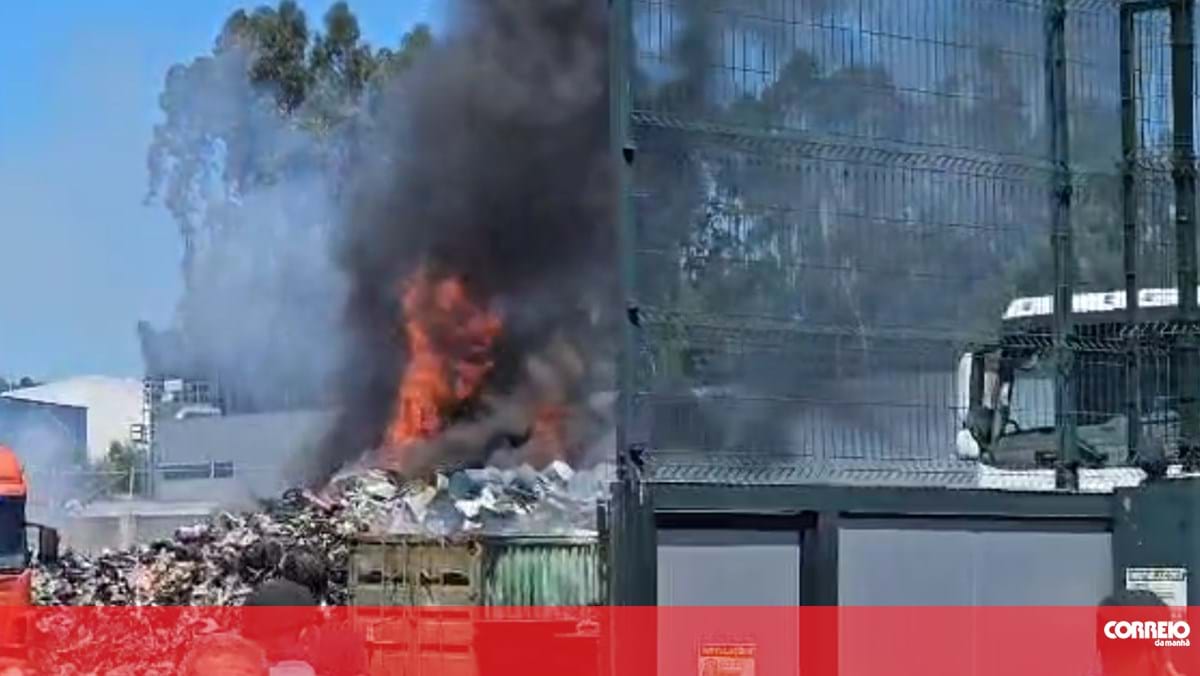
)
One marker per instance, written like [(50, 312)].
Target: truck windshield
[(12, 533), (1101, 390), (1032, 403)]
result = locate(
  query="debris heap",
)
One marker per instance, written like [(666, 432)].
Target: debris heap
[(523, 501), (219, 562), (212, 564)]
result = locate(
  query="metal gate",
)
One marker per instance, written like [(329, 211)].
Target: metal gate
[(805, 546)]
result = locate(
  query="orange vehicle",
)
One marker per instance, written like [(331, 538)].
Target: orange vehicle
[(16, 571)]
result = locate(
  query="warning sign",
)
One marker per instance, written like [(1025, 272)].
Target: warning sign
[(1170, 584), (727, 659)]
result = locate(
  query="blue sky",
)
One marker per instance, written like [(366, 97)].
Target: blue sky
[(81, 258)]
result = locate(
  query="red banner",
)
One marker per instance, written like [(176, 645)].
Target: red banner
[(696, 641)]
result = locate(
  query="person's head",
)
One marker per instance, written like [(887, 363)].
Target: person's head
[(308, 568), (224, 655), (261, 557), (1122, 657), (276, 615)]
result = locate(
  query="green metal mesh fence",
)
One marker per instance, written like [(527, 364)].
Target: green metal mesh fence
[(834, 200)]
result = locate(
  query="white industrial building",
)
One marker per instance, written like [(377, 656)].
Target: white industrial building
[(113, 405)]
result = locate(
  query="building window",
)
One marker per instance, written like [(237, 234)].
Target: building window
[(198, 470), (180, 472)]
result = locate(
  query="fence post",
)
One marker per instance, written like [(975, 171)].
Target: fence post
[(1183, 109), (1065, 395), (1183, 161), (622, 157), (1129, 209)]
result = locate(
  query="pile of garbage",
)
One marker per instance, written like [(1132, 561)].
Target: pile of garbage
[(133, 642), (219, 563), (216, 563), (523, 501)]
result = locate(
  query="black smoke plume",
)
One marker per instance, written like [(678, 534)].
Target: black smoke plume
[(492, 165)]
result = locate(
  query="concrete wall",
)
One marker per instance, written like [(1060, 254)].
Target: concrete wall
[(118, 524), (234, 493), (265, 450), (91, 535)]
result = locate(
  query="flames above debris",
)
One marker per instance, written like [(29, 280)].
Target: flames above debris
[(479, 249), (450, 340)]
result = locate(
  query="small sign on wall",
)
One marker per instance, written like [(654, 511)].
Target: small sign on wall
[(1170, 584), (727, 659)]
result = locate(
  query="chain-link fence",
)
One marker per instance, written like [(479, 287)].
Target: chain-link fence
[(836, 204)]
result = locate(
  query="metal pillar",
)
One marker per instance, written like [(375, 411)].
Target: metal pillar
[(622, 153), (1065, 394), (1183, 108), (1183, 59), (630, 499), (1156, 525), (1129, 208)]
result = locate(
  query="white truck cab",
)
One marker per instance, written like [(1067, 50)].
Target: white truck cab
[(1005, 392)]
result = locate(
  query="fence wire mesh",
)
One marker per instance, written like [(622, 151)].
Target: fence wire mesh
[(835, 200)]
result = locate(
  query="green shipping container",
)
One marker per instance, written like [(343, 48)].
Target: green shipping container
[(404, 570)]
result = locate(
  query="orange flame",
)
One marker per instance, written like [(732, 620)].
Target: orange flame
[(450, 341)]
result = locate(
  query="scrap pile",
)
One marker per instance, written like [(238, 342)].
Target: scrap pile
[(218, 563), (523, 501), (212, 564), (137, 642)]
